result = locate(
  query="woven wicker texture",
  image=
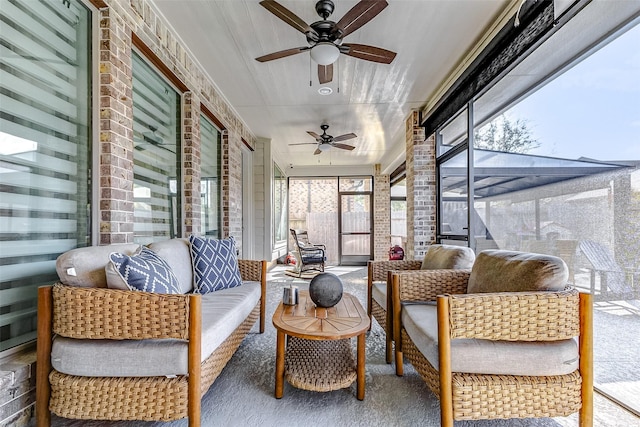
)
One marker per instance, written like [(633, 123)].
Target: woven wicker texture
[(380, 314), (501, 396), (99, 313), (250, 270), (380, 268), (516, 316), (426, 285), (152, 398), (319, 365), (98, 398)]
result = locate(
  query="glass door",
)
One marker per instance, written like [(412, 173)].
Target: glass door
[(355, 221)]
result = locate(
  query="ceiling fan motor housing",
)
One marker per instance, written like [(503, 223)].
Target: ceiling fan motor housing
[(325, 136), (324, 8)]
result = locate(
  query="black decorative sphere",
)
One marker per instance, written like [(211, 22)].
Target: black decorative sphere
[(325, 290)]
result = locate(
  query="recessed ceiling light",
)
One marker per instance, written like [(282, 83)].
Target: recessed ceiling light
[(325, 90)]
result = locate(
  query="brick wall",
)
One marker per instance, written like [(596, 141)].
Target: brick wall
[(192, 218), (421, 189), (116, 130), (123, 25), (381, 215)]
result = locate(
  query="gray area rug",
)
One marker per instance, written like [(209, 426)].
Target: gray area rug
[(243, 393)]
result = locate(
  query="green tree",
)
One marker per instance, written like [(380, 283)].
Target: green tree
[(503, 134)]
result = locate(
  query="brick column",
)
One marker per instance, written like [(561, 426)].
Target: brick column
[(381, 215), (191, 164), (232, 186), (421, 188), (116, 130)]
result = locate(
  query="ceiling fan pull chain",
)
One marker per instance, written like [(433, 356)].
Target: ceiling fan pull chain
[(338, 65), (310, 72)]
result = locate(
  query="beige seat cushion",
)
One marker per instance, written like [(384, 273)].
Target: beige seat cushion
[(222, 312), (448, 257), (477, 356), (379, 293), (84, 267), (511, 271)]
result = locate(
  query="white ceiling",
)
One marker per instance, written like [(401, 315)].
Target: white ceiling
[(274, 99)]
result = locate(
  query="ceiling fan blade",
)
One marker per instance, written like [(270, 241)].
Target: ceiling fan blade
[(286, 15), (313, 134), (343, 146), (345, 137), (325, 73), (305, 143), (360, 14), (318, 151), (281, 54), (368, 53)]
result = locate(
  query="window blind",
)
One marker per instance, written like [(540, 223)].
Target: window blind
[(45, 83), (156, 171)]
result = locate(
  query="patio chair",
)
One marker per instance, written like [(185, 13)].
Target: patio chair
[(378, 297), (309, 256), (498, 341), (613, 278)]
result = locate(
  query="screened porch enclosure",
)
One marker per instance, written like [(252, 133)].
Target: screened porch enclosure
[(336, 212)]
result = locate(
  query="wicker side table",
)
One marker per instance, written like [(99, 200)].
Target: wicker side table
[(313, 350)]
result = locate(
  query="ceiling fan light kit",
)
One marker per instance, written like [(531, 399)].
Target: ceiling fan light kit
[(325, 53)]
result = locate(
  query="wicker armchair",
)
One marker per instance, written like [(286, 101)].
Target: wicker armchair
[(378, 272), (528, 321), (378, 283)]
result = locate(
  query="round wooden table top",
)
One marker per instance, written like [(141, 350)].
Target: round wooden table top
[(304, 320)]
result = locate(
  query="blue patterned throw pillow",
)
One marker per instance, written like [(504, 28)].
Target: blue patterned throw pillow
[(145, 271), (215, 264)]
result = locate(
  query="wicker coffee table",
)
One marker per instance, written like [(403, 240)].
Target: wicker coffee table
[(313, 350)]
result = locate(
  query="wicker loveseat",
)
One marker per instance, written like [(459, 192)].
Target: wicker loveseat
[(506, 340), (438, 257), (112, 354)]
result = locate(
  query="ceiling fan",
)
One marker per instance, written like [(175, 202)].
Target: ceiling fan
[(325, 37), (326, 141)]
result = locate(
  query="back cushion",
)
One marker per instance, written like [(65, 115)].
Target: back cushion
[(84, 267), (511, 271), (143, 271), (177, 254), (448, 257), (215, 264)]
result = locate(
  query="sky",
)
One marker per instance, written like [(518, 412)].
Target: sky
[(592, 110)]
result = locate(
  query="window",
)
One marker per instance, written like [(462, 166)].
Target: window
[(210, 178), (554, 168), (280, 230), (452, 142), (571, 194), (45, 152), (156, 157), (399, 213)]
